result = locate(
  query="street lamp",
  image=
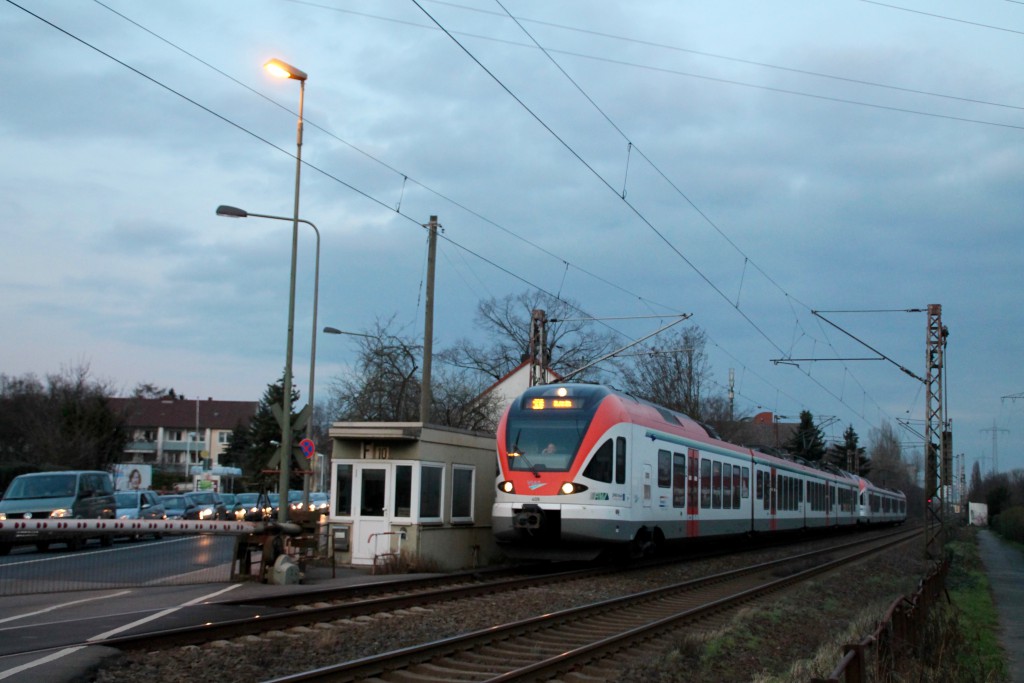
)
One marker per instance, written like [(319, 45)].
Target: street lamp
[(285, 70), (235, 212), (335, 330)]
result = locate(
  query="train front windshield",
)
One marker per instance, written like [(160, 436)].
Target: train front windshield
[(543, 442), (545, 427)]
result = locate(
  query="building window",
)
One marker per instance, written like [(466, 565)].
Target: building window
[(343, 491), (403, 491), (224, 437), (431, 480), (462, 493), (175, 435)]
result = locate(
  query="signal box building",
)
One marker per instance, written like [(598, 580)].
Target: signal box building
[(410, 494)]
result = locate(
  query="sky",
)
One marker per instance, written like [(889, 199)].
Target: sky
[(803, 178)]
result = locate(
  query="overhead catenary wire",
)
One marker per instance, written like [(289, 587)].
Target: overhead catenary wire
[(347, 185)]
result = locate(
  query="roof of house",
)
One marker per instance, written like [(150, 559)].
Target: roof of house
[(182, 413)]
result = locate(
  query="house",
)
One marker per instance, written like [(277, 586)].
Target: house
[(176, 433), (515, 382)]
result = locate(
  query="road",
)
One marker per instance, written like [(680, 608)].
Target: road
[(126, 563), (99, 593)]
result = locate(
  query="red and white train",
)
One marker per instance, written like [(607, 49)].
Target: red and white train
[(583, 467)]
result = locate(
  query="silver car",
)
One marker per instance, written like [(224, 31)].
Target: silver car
[(139, 505)]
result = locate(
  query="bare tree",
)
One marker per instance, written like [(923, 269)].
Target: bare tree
[(384, 385), (571, 339), (672, 371), (888, 467), (65, 424)]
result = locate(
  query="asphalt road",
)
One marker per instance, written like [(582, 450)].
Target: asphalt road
[(126, 563), (68, 598)]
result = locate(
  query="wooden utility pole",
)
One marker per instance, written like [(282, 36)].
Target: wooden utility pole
[(538, 348), (428, 325)]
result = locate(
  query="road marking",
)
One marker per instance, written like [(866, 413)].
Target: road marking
[(39, 662), (162, 613), (103, 636), (63, 604)]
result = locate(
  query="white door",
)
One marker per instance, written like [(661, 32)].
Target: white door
[(371, 516)]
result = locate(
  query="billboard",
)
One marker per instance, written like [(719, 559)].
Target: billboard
[(132, 476)]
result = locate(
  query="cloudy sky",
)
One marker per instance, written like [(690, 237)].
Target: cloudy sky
[(744, 162)]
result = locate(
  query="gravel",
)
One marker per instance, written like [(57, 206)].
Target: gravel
[(279, 653)]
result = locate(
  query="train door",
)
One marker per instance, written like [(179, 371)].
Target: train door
[(692, 508), (772, 500), (370, 515)]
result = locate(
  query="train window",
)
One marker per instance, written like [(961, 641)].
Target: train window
[(727, 486), (705, 483), (620, 460), (678, 480), (759, 485), (600, 467), (716, 485), (736, 487), (745, 483), (462, 493), (664, 469)]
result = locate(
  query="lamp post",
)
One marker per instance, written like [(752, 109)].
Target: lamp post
[(335, 330), (285, 70), (235, 212)]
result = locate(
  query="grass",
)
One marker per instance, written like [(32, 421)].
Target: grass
[(800, 635), (980, 656)]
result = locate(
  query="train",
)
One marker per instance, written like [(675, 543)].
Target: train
[(587, 468)]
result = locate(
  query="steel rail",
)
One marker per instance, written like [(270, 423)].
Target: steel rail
[(482, 640)]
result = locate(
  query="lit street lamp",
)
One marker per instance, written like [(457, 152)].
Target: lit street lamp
[(235, 212), (285, 70)]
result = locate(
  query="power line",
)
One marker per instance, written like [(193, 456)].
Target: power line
[(348, 185)]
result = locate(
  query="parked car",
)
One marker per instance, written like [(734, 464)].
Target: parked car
[(83, 494), (204, 505), (174, 505), (139, 505)]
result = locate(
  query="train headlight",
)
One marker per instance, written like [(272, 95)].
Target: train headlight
[(569, 488), (506, 487)]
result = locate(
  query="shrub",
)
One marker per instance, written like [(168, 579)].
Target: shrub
[(1010, 523)]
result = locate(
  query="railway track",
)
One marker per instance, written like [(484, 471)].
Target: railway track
[(282, 612), (575, 644)]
